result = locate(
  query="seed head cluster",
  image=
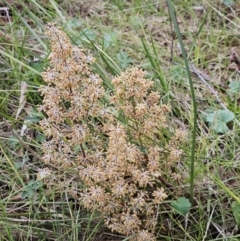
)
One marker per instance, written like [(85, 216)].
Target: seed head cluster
[(117, 147)]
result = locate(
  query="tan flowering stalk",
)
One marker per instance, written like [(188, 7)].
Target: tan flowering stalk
[(70, 98), (119, 150)]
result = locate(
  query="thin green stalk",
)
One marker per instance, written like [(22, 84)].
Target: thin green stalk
[(21, 63), (11, 165), (194, 105), (198, 33), (155, 63)]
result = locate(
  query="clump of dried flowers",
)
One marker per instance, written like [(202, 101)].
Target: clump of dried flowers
[(117, 148)]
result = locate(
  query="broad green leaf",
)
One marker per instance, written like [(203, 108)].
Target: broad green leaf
[(109, 39), (74, 23), (219, 127), (34, 116), (178, 73), (88, 34), (206, 112), (124, 59), (224, 116), (34, 185), (40, 138), (218, 120), (234, 87), (18, 164), (28, 193), (181, 205), (135, 21), (13, 142), (236, 211), (30, 189), (228, 3)]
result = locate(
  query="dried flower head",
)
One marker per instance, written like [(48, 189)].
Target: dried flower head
[(126, 166)]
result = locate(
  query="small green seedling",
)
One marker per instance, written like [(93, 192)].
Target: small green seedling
[(228, 3), (236, 211), (31, 189), (234, 87), (218, 120), (124, 59), (109, 39), (181, 205)]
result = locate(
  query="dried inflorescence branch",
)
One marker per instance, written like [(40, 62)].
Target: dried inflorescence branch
[(70, 98), (119, 149)]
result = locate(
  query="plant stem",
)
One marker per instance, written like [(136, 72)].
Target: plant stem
[(194, 105)]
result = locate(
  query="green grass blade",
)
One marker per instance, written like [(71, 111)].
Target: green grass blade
[(198, 33), (19, 62), (153, 59), (194, 105), (59, 13)]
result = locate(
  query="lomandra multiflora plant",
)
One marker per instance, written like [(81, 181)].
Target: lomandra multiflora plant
[(114, 140)]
